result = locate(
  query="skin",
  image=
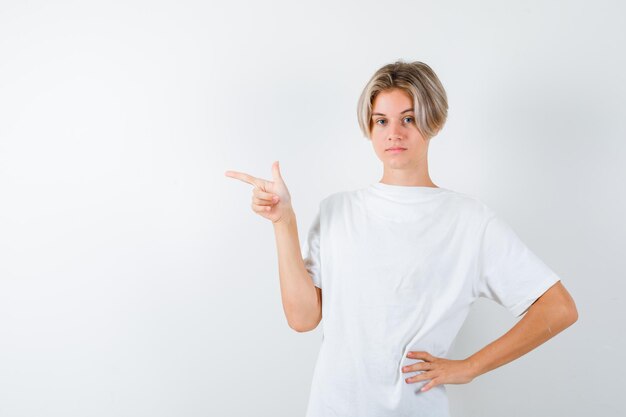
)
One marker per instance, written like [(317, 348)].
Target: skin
[(394, 128), (270, 198), (549, 314)]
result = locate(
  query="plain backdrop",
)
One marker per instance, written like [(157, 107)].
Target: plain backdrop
[(135, 279)]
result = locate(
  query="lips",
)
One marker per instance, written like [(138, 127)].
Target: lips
[(396, 148)]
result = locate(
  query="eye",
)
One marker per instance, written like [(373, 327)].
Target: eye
[(410, 119), (379, 120)]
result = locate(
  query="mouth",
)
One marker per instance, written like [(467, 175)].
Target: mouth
[(396, 149)]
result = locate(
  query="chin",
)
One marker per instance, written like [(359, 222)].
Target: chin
[(397, 166)]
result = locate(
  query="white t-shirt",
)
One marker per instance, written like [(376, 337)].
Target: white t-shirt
[(399, 267)]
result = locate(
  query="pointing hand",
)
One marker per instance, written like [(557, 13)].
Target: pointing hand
[(270, 199)]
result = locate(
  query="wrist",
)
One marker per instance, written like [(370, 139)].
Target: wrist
[(473, 367), (288, 218)]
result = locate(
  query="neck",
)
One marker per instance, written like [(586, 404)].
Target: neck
[(408, 177)]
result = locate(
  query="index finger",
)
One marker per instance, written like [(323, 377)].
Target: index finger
[(244, 177)]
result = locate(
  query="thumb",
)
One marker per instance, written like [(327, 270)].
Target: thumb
[(276, 172)]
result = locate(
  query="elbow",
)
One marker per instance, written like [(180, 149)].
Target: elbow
[(571, 310), (302, 328), (300, 322), (565, 306), (303, 324), (569, 314), (304, 317), (572, 314), (296, 327)]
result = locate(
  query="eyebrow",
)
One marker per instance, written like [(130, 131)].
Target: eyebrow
[(380, 114)]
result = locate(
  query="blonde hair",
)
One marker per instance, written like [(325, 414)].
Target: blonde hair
[(420, 82)]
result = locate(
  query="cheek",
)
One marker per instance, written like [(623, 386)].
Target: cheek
[(380, 149)]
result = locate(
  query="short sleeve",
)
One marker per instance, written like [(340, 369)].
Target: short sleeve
[(311, 252), (509, 272)]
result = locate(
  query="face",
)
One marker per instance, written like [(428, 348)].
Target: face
[(394, 134)]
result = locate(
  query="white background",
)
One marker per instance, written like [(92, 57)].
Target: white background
[(135, 280)]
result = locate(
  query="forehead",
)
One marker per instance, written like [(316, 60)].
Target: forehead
[(392, 101)]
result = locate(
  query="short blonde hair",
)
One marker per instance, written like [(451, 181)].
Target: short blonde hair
[(420, 82)]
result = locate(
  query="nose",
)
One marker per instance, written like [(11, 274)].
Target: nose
[(396, 131)]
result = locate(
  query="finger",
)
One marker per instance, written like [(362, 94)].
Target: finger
[(420, 355), (433, 383), (263, 202), (276, 171), (423, 377), (264, 195), (419, 377), (244, 177), (418, 366), (261, 209)]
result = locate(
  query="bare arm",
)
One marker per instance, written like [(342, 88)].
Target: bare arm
[(550, 314), (302, 301)]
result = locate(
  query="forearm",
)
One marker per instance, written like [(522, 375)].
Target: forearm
[(298, 293), (542, 321)]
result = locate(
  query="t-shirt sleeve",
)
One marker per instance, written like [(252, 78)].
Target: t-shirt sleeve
[(509, 272), (311, 252)]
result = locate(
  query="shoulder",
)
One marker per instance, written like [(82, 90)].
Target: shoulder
[(338, 198), (469, 201), (469, 206)]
